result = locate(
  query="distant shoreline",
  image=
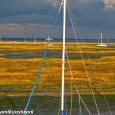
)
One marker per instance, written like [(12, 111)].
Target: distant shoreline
[(56, 40)]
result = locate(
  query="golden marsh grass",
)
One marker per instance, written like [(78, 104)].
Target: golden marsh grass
[(20, 74)]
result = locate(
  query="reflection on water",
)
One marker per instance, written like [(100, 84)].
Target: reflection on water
[(50, 54)]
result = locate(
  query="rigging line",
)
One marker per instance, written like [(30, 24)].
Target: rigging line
[(59, 101), (90, 61), (75, 83), (42, 60), (71, 95), (80, 113), (84, 63), (59, 108), (65, 102), (98, 40)]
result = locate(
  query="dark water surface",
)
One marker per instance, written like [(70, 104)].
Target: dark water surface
[(58, 40)]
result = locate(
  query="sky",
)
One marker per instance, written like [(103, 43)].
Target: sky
[(24, 18)]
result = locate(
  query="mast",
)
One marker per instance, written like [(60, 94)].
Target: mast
[(35, 39), (101, 38), (63, 57), (102, 44)]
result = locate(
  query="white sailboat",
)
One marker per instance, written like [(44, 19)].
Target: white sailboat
[(102, 44), (47, 39)]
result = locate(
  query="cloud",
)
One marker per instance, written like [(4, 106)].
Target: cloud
[(39, 15), (109, 2), (31, 18), (90, 13), (10, 29), (86, 6), (42, 31), (47, 7), (109, 6), (39, 30), (19, 7)]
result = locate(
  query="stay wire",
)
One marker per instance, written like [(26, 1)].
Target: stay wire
[(90, 61), (65, 102), (59, 102), (42, 61), (83, 62), (76, 85), (71, 92), (80, 113), (98, 40)]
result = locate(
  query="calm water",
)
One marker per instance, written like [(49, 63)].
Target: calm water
[(50, 54), (59, 40)]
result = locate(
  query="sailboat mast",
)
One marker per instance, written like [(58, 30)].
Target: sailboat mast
[(101, 38), (63, 55)]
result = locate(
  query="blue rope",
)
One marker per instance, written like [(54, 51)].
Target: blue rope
[(41, 65)]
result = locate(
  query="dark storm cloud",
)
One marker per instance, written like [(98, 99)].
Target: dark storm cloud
[(113, 5), (32, 18), (88, 13), (46, 7), (86, 6), (22, 17), (19, 7), (91, 13), (28, 11)]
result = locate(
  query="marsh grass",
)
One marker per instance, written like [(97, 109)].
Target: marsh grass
[(20, 74)]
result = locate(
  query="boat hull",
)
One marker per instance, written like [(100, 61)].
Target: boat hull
[(102, 45)]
